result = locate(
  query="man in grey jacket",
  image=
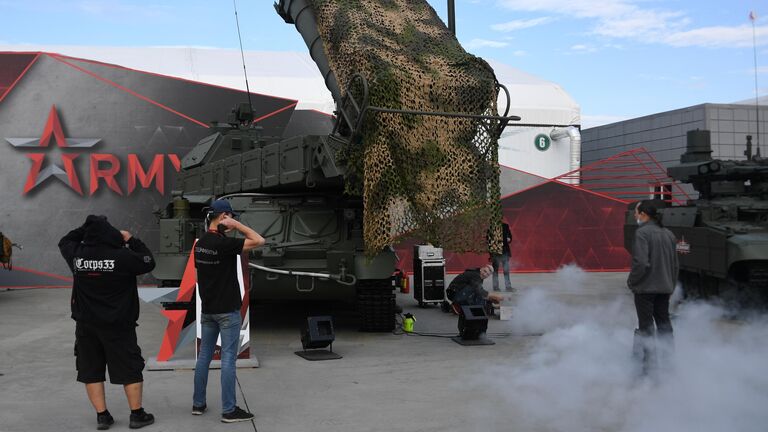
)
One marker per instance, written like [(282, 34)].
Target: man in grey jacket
[(652, 279)]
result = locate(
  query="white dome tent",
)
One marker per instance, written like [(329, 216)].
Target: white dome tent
[(541, 104), (544, 107)]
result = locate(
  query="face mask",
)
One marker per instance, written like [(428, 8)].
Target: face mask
[(639, 222)]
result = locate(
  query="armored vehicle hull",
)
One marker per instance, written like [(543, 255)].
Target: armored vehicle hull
[(314, 252), (723, 235)]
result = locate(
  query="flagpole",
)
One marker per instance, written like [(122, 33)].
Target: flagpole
[(757, 102)]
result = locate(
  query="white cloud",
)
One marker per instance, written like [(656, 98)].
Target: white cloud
[(604, 9), (582, 48), (628, 19), (519, 53), (719, 36), (521, 24), (484, 43)]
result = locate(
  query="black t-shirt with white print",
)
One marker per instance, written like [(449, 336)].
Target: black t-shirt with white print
[(216, 258)]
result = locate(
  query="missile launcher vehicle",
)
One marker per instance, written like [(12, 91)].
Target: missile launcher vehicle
[(413, 151)]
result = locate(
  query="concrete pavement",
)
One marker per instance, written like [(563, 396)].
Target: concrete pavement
[(385, 382)]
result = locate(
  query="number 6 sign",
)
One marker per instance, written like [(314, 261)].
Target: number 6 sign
[(542, 142)]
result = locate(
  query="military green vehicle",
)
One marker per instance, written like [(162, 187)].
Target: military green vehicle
[(313, 233), (723, 235), (296, 192)]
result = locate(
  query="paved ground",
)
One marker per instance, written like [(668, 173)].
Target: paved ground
[(538, 377)]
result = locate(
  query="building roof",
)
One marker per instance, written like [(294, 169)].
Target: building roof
[(762, 100)]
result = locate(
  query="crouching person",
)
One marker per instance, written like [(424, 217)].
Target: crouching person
[(467, 289), (105, 306)]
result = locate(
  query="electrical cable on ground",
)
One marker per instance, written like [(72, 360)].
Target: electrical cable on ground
[(245, 401), (496, 335)]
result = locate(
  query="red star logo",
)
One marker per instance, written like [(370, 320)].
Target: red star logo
[(38, 174)]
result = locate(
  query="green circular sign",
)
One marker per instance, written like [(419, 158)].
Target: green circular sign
[(542, 142)]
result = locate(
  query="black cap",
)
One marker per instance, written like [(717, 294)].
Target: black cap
[(222, 206)]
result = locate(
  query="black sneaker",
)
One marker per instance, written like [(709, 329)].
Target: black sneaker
[(141, 419), (237, 415), (104, 421), (199, 410)]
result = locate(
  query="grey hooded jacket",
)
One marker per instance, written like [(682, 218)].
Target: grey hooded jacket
[(654, 260)]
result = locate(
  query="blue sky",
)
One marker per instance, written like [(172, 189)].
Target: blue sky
[(617, 58)]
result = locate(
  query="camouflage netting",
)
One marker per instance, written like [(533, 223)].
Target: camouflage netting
[(433, 177)]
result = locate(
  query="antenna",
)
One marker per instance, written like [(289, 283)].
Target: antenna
[(242, 56), (753, 17), (452, 16)]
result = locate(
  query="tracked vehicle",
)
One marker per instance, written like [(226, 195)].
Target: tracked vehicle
[(295, 192), (722, 235)]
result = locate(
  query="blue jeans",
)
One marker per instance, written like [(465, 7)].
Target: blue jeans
[(229, 326), (503, 262)]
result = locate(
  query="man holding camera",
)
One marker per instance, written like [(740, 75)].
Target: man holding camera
[(216, 258), (105, 307)]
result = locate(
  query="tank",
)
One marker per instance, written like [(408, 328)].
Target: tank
[(723, 234), (296, 193)]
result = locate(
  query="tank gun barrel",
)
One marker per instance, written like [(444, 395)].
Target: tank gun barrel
[(714, 177)]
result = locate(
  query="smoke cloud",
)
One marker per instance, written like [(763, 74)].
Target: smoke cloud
[(579, 374)]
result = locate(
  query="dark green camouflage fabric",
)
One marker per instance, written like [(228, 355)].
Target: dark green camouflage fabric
[(431, 177)]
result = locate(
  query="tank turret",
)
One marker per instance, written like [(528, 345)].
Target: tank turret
[(714, 178), (723, 234)]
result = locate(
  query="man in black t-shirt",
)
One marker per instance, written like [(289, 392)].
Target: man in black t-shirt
[(216, 258), (105, 307)]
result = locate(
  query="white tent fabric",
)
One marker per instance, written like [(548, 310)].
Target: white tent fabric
[(294, 75), (289, 75), (535, 100)]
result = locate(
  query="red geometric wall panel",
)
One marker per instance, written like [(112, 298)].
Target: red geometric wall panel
[(13, 67), (553, 224)]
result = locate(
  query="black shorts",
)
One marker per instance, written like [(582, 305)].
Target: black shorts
[(97, 348)]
